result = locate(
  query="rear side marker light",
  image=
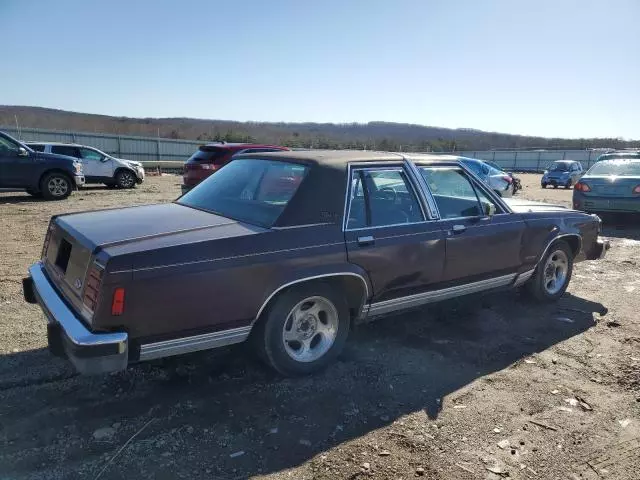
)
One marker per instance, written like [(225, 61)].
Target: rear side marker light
[(582, 187), (117, 306), (636, 189)]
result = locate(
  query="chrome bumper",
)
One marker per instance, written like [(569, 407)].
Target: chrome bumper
[(90, 353)]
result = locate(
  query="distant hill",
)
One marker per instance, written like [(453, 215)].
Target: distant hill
[(372, 135)]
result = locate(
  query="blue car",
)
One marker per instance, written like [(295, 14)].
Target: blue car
[(46, 175), (610, 186), (562, 173)]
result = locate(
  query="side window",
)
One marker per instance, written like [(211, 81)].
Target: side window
[(382, 197), (89, 154), (453, 192), (7, 146), (485, 202), (65, 150), (37, 148)]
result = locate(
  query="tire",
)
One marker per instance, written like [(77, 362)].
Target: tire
[(126, 179), (34, 193), (56, 186), (568, 185), (295, 345), (543, 185), (555, 185), (559, 257)]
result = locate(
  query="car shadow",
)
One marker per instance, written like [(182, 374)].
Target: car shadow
[(223, 413), (20, 197)]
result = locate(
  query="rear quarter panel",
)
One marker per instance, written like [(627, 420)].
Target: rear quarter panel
[(219, 284), (545, 227)]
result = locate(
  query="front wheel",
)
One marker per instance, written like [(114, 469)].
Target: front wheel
[(543, 185), (56, 186), (553, 273), (568, 184), (126, 179), (304, 330)]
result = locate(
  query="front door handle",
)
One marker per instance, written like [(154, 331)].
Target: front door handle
[(458, 228), (364, 241)]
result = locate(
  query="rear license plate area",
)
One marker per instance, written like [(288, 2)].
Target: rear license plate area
[(63, 255)]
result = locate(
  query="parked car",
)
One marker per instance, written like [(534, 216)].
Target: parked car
[(562, 173), (212, 157), (619, 155), (515, 181), (98, 167), (501, 182), (53, 177), (252, 254), (609, 186)]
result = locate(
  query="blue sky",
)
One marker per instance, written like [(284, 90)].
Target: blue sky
[(566, 68)]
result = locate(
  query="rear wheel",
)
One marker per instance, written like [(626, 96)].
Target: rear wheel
[(304, 330), (126, 179), (56, 186), (553, 273)]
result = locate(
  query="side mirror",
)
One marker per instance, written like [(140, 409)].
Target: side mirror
[(489, 209), (22, 152)]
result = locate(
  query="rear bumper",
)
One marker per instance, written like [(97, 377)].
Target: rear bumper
[(605, 204), (90, 353)]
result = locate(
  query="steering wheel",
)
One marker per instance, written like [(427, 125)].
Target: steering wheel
[(388, 193)]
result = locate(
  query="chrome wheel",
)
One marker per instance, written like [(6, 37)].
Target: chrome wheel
[(310, 329), (556, 270), (58, 186)]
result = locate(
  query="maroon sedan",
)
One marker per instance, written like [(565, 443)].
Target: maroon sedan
[(212, 157)]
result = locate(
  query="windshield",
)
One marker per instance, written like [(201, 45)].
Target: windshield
[(618, 168), (248, 190), (559, 167)]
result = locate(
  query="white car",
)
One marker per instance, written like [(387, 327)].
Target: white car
[(98, 167)]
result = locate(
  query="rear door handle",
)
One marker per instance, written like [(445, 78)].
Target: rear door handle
[(458, 228), (364, 241)]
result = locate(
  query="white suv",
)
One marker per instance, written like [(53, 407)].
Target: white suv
[(98, 167)]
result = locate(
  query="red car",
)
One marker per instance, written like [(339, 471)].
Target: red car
[(213, 156)]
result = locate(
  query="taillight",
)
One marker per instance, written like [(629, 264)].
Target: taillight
[(636, 189), (507, 178), (199, 166), (582, 187), (117, 305), (92, 286)]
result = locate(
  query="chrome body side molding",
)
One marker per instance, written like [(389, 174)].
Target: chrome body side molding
[(523, 277), (178, 346), (388, 306)]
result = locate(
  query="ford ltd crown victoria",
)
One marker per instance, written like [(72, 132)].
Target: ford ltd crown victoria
[(289, 250)]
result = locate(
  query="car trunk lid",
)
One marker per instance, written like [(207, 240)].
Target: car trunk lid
[(611, 186)]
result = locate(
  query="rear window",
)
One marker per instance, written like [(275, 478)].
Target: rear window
[(207, 154), (622, 168), (36, 147), (248, 190)]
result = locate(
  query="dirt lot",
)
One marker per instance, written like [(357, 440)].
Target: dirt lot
[(489, 387)]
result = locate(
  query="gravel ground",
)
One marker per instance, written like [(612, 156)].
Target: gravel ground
[(493, 386)]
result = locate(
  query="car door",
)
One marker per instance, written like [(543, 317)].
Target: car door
[(95, 164), (389, 233), (483, 238), (16, 167)]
